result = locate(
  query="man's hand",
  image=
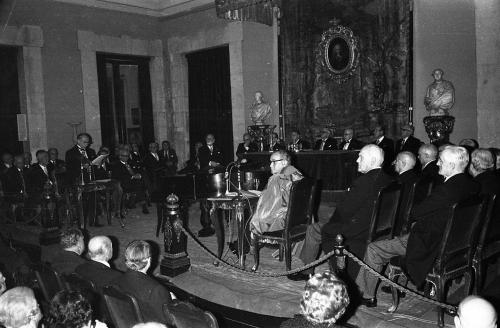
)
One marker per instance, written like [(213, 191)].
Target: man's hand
[(213, 164)]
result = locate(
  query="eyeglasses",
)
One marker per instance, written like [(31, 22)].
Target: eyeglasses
[(276, 160)]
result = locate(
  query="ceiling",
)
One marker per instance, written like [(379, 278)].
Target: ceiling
[(156, 8)]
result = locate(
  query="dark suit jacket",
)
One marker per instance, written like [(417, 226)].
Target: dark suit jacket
[(74, 161), (330, 144), (65, 262), (36, 180), (120, 172), (150, 294), (407, 179), (490, 185), (277, 146), (431, 170), (169, 161), (98, 273), (387, 146), (303, 144), (412, 144), (58, 166), (206, 156), (426, 234), (13, 183), (242, 150), (152, 166), (352, 215), (355, 144)]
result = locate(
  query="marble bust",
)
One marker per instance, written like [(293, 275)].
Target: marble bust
[(440, 95), (260, 110)]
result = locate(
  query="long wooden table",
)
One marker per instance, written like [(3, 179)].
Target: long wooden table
[(335, 168)]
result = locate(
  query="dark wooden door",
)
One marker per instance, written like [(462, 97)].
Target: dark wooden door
[(122, 122), (9, 100), (210, 98)]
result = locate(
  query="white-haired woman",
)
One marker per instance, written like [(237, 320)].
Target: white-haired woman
[(324, 301), (19, 308)]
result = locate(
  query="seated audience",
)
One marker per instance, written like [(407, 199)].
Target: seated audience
[(404, 165), (150, 294), (98, 269), (297, 143), (408, 142), (247, 146), (275, 144), (69, 256), (325, 142), (352, 216), (420, 246), (324, 301), (131, 181), (19, 308), (168, 158), (482, 168), (69, 309), (387, 146), (273, 202), (475, 312), (55, 164), (349, 142), (427, 156)]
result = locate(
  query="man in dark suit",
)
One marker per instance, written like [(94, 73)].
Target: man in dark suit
[(247, 146), (80, 155), (40, 179), (152, 165), (420, 246), (150, 294), (352, 216), (387, 146), (275, 144), (427, 155), (404, 165), (325, 143), (7, 162), (15, 187), (408, 142), (168, 158), (55, 164), (98, 269), (131, 182), (297, 142), (65, 260), (349, 142), (210, 156)]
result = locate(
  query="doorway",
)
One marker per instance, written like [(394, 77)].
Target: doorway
[(209, 89), (9, 100), (125, 100)]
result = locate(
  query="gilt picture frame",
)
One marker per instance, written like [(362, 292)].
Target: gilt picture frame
[(339, 52)]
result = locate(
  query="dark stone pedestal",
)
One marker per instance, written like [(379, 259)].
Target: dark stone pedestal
[(175, 260), (439, 128)]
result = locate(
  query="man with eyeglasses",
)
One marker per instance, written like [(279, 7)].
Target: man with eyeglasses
[(349, 142), (247, 146), (272, 206), (80, 155), (408, 142)]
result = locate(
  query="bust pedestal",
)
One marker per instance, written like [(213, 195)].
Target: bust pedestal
[(439, 128), (175, 260), (261, 133)]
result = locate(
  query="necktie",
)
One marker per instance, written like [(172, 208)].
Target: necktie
[(322, 145), (402, 143), (155, 155), (211, 149), (22, 181), (44, 168), (346, 146)]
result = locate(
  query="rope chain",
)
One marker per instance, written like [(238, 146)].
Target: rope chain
[(315, 263)]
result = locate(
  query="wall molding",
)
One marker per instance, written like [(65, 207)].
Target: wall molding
[(89, 43)]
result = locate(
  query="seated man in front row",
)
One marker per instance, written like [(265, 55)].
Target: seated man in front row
[(420, 246), (352, 216), (272, 206)]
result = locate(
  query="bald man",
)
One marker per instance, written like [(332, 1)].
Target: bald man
[(421, 245), (98, 269), (475, 312), (352, 216)]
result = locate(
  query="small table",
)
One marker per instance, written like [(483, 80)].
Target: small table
[(236, 205)]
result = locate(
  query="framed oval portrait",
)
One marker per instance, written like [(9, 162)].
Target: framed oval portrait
[(339, 52)]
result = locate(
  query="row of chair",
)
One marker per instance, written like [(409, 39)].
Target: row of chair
[(120, 307), (463, 252)]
